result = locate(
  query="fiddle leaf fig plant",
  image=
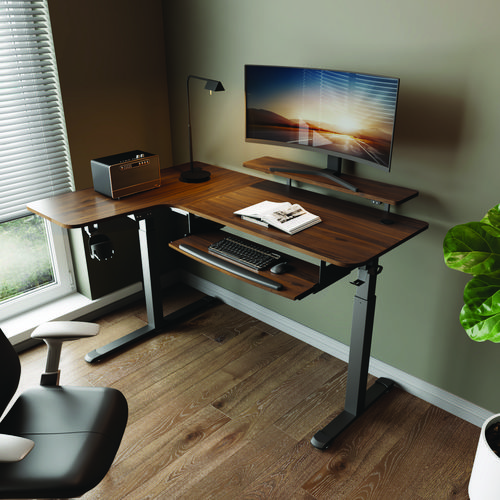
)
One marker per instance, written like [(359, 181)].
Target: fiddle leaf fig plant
[(474, 248)]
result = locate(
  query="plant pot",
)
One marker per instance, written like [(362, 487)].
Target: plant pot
[(484, 482)]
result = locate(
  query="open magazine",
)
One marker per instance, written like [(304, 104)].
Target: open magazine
[(286, 216)]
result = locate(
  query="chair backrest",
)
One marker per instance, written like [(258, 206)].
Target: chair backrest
[(10, 372)]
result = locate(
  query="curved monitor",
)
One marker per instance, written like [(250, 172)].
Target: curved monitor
[(347, 115)]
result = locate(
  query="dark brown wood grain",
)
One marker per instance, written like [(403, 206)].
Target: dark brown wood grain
[(349, 235), (367, 188), (80, 208)]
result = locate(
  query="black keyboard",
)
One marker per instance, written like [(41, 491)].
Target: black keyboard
[(245, 253), (230, 267)]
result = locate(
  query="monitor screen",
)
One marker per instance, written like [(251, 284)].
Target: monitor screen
[(347, 115)]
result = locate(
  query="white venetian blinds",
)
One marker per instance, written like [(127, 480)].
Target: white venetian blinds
[(34, 154)]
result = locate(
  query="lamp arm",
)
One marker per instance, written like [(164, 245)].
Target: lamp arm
[(189, 123), (197, 77)]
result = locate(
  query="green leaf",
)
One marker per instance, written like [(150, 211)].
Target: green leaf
[(480, 315), (493, 217), (474, 248), (482, 295), (480, 328)]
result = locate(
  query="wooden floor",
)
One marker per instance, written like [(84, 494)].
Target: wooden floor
[(223, 407)]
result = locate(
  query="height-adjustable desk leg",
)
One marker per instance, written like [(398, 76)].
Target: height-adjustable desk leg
[(150, 259), (358, 399)]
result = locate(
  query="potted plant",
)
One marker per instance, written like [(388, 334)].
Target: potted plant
[(474, 248)]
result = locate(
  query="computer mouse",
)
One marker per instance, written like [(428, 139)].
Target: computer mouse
[(280, 268)]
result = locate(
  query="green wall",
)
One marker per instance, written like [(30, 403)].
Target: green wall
[(446, 55)]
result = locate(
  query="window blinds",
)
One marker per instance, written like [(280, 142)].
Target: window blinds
[(34, 153)]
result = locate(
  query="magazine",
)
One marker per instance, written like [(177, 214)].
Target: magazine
[(286, 216)]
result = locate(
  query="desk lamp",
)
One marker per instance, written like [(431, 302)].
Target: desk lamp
[(197, 174)]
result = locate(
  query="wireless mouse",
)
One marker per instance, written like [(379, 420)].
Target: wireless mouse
[(280, 268)]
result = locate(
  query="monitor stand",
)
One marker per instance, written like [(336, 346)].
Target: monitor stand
[(333, 172)]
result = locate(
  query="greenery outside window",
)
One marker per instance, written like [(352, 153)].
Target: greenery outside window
[(34, 264)]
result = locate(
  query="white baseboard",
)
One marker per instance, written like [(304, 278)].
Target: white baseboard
[(417, 387)]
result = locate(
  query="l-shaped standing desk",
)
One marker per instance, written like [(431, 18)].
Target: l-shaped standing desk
[(351, 236)]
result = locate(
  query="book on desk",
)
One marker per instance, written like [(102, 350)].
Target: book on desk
[(288, 217)]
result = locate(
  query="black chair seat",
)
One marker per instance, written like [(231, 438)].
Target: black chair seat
[(76, 430), (70, 426)]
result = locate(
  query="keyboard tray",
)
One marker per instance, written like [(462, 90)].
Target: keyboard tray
[(299, 282)]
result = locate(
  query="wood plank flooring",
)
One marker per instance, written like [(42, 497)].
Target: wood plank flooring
[(223, 406)]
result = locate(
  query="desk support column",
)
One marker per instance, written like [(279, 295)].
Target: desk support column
[(358, 399), (150, 260), (150, 275)]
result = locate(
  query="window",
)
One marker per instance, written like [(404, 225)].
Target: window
[(35, 159)]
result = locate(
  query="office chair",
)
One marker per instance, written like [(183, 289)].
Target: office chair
[(56, 442)]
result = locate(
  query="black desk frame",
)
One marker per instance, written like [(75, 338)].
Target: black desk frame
[(357, 399), (157, 322)]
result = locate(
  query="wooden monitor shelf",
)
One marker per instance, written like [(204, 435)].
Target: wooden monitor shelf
[(367, 188)]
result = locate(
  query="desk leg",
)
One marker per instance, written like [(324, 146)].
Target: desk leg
[(150, 259), (357, 399)]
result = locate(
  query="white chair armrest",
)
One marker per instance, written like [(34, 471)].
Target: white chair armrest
[(65, 330), (54, 333), (14, 448)]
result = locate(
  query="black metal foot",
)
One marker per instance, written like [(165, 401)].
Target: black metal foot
[(149, 330), (117, 345), (323, 438)]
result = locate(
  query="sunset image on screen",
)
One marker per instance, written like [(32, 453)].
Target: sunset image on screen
[(348, 113)]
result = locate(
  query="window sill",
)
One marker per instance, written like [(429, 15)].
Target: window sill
[(71, 307)]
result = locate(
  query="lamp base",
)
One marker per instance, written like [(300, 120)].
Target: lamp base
[(195, 175)]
